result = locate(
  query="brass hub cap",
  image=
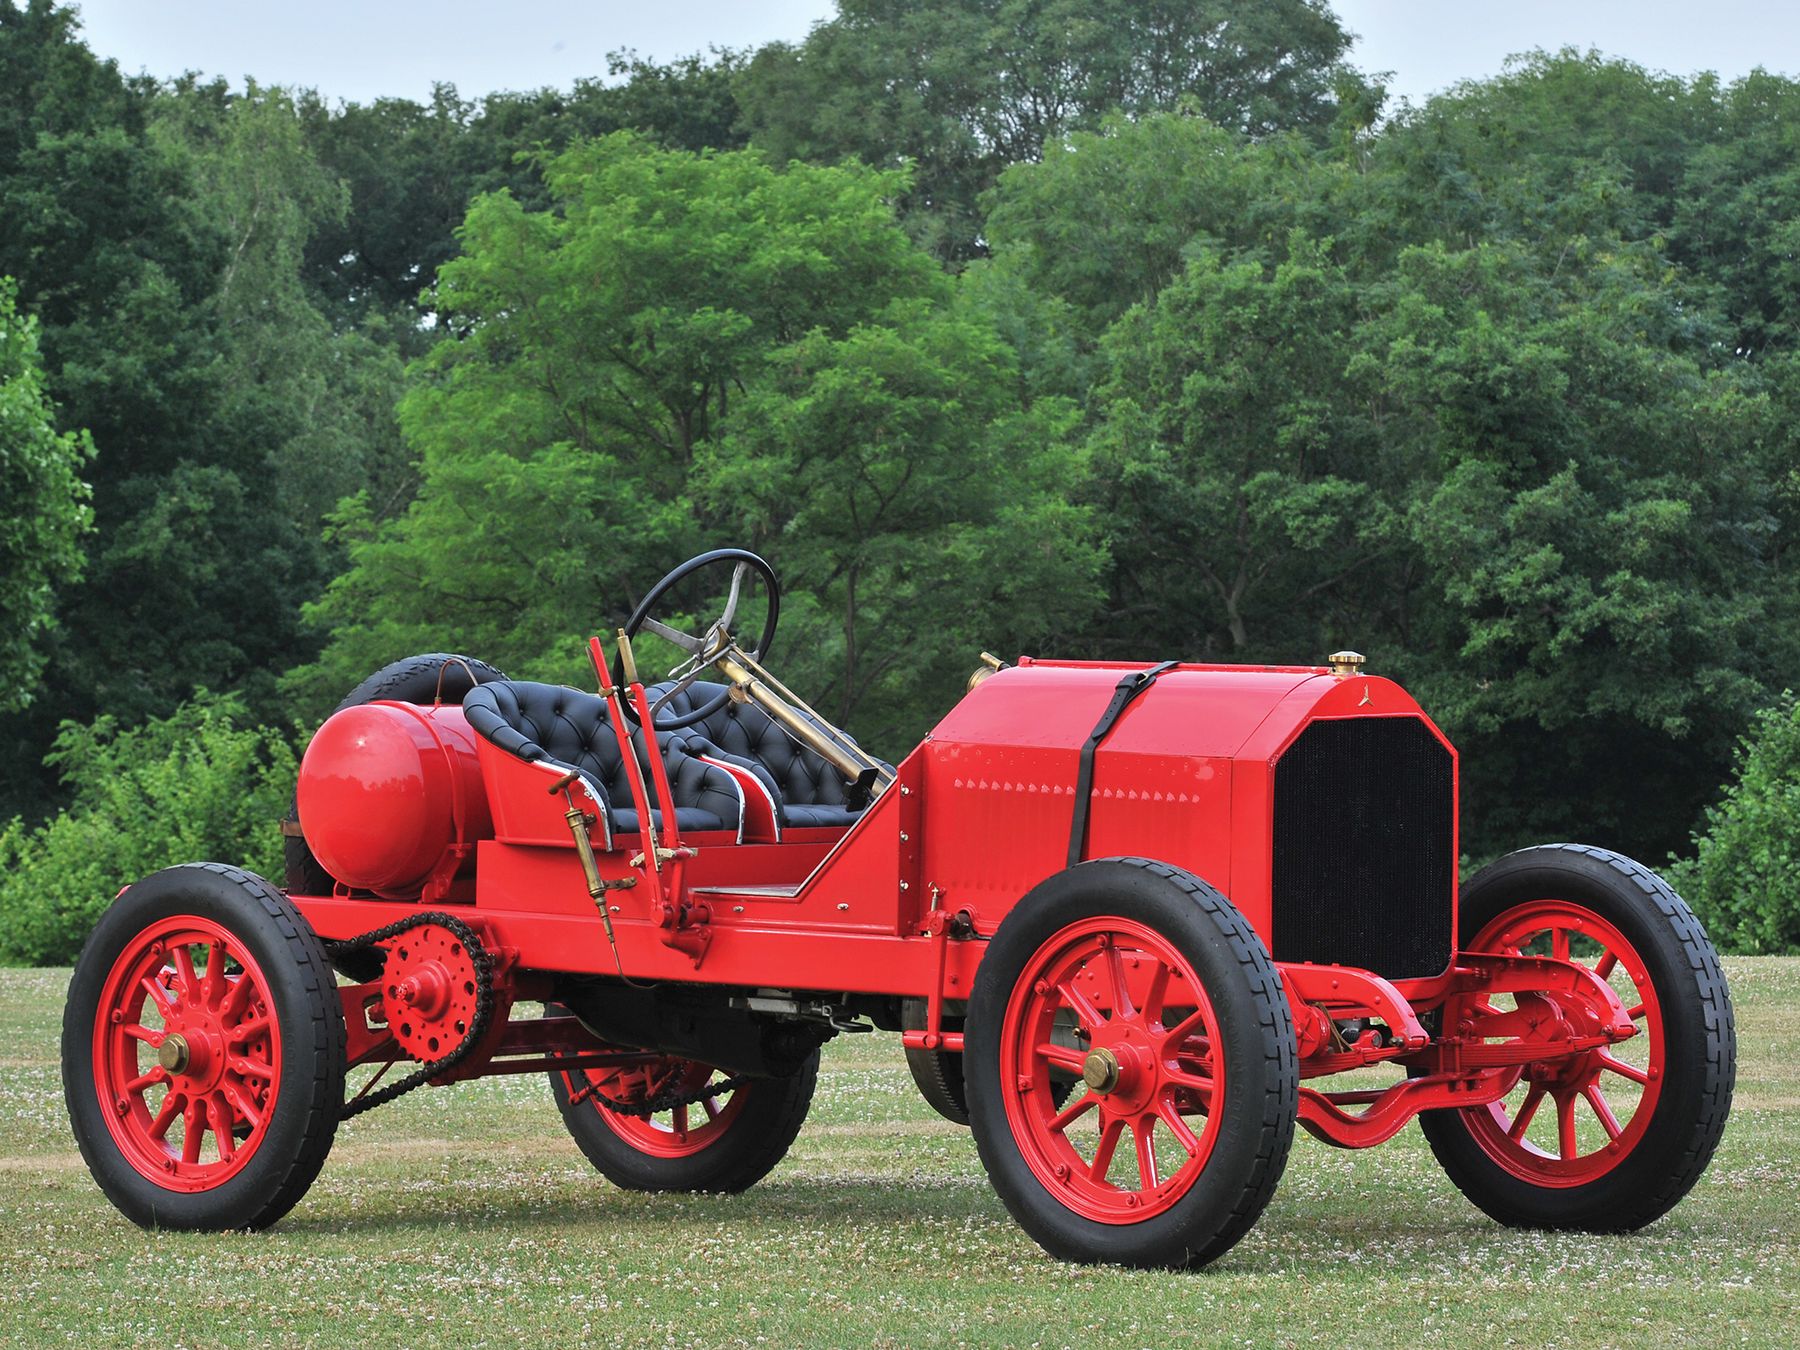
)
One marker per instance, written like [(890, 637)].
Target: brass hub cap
[(173, 1054), (1101, 1071)]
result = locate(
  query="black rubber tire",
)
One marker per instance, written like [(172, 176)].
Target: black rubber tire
[(938, 1074), (743, 1155), (1257, 1035), (1701, 1045), (311, 1023), (416, 679)]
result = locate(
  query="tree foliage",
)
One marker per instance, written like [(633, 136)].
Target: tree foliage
[(46, 500), (598, 345), (1100, 329), (964, 88), (1744, 880), (198, 785)]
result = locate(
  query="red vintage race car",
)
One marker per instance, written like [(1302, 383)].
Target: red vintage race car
[(1131, 922)]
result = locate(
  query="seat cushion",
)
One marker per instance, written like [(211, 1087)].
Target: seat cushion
[(686, 818)]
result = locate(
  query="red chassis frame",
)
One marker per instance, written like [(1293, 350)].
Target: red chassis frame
[(900, 904)]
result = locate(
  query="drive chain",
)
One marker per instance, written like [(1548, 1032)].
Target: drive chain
[(484, 1002)]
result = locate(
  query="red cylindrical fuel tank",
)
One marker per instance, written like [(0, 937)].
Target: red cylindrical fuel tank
[(386, 790)]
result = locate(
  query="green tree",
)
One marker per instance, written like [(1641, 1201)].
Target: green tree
[(966, 87), (1236, 461), (199, 784), (412, 169), (918, 508), (47, 510), (594, 349), (1744, 878)]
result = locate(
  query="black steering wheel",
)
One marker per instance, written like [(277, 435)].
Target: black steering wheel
[(707, 647)]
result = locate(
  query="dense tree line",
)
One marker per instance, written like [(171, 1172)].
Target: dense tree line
[(1107, 329)]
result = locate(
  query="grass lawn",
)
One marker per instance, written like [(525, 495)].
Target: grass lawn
[(467, 1217)]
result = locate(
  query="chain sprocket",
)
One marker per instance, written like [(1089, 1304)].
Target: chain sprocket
[(667, 1100), (483, 966)]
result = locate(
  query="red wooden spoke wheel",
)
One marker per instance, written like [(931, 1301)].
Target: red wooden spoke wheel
[(1148, 1070), (678, 1132), (1574, 1118), (1605, 1139), (187, 1050), (1182, 1052), (203, 1051), (726, 1140)]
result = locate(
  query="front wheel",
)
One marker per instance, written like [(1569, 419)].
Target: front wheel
[(718, 1137), (1147, 988), (203, 1051), (1606, 1140)]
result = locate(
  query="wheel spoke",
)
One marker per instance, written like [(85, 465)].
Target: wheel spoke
[(687, 642), (215, 973), (1193, 1082), (1604, 966), (710, 1105), (139, 1032), (680, 1121), (1083, 1005), (1115, 979), (1565, 1127), (232, 1003), (1066, 1117), (241, 1103), (1608, 1121), (245, 1067), (1635, 1012), (731, 601), (223, 1126), (159, 996), (1103, 1155), (184, 971), (144, 1080), (1144, 1131), (190, 1136), (1559, 943), (1165, 1110), (1063, 1057), (1527, 1109), (248, 1028), (1156, 992), (171, 1107), (1185, 1027), (1624, 1070)]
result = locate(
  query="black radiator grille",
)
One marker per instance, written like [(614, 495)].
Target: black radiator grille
[(1365, 862)]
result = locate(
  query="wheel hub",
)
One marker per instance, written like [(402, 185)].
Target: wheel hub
[(173, 1054), (1101, 1071)]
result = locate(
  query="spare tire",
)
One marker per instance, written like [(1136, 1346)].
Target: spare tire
[(434, 677)]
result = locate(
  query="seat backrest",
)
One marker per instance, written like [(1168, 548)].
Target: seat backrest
[(743, 731), (551, 721), (567, 727)]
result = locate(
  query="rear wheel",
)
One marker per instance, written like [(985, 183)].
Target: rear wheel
[(725, 1139), (1188, 1081), (203, 1051), (1606, 1140), (938, 1074)]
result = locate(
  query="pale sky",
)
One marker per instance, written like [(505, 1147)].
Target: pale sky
[(360, 49)]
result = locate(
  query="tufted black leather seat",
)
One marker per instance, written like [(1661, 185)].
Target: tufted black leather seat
[(571, 730), (807, 790)]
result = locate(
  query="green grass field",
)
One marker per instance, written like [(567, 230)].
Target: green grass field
[(467, 1217)]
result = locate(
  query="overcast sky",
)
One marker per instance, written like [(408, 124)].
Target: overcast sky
[(361, 49)]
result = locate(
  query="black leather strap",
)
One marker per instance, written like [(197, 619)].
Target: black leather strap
[(1123, 693)]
